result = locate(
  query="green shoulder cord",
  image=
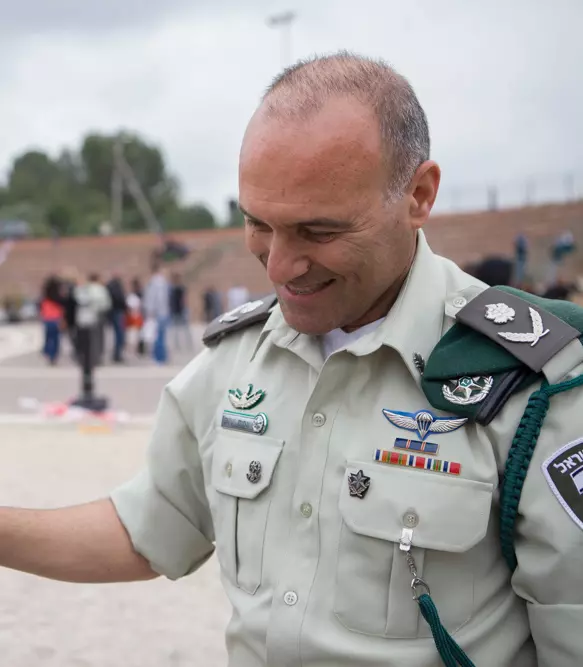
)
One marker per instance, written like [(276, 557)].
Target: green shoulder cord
[(450, 652), (519, 457)]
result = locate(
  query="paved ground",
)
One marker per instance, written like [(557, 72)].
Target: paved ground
[(133, 387), (51, 624)]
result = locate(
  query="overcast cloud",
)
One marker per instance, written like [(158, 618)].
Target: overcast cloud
[(500, 81)]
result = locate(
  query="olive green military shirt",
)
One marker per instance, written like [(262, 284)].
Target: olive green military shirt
[(315, 573)]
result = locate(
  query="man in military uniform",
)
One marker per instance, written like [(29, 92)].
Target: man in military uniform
[(386, 456)]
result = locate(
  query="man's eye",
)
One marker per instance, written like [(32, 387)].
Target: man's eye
[(255, 224), (319, 236)]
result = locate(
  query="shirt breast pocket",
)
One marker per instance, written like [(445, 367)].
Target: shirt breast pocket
[(449, 517), (242, 472)]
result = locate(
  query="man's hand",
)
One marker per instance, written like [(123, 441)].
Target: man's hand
[(83, 544)]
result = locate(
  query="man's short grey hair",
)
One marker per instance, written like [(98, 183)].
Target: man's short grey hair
[(303, 89)]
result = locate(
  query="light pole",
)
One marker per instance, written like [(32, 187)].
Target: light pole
[(284, 22)]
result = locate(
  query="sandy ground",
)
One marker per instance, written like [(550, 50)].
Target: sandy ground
[(49, 623)]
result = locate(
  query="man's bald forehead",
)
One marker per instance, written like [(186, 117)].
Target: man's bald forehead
[(341, 140), (305, 89)]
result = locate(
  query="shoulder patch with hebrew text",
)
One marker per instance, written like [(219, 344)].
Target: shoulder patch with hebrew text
[(564, 473)]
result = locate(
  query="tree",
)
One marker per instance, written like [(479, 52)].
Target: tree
[(59, 218), (31, 177), (147, 165), (196, 216), (71, 194)]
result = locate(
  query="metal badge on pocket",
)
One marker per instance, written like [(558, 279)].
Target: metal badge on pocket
[(248, 423)]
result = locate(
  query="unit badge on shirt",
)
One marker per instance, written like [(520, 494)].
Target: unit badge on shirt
[(423, 423), (246, 400), (467, 390), (563, 471)]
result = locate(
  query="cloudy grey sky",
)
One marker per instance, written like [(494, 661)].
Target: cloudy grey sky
[(500, 80)]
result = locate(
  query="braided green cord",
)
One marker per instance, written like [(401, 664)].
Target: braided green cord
[(449, 651), (519, 458)]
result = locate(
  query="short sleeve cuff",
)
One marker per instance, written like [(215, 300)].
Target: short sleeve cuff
[(172, 545), (556, 630)]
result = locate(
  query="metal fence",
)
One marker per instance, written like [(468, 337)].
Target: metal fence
[(529, 191)]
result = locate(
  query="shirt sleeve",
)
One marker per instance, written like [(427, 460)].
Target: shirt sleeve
[(549, 538), (164, 508)]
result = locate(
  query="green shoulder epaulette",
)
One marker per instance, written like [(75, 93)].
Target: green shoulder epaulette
[(244, 316), (503, 341)]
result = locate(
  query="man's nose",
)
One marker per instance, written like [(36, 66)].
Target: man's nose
[(286, 261)]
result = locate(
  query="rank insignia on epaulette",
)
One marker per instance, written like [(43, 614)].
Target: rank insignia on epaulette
[(531, 334), (254, 312), (235, 314)]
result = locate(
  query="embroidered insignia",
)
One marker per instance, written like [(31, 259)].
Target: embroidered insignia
[(500, 313), (247, 400), (533, 337), (419, 362), (358, 484), (254, 474), (238, 421), (233, 315), (467, 390), (563, 471), (423, 422), (420, 462), (525, 337), (416, 445)]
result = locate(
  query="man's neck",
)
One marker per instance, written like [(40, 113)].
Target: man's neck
[(383, 304)]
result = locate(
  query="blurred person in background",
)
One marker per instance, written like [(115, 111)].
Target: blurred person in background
[(93, 303), (51, 314), (179, 317), (212, 306), (157, 312), (237, 295), (117, 316), (70, 279), (135, 318)]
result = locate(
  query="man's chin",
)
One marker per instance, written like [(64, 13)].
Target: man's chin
[(304, 323)]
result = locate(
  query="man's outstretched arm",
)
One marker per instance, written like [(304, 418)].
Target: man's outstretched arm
[(83, 544)]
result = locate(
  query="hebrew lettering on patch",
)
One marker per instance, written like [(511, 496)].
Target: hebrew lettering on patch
[(570, 463), (563, 471)]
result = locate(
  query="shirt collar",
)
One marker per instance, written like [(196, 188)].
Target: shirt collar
[(413, 325)]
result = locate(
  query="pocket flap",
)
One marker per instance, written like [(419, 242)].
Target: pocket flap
[(243, 464), (453, 512)]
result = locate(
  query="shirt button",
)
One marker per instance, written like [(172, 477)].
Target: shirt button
[(459, 302), (410, 519), (306, 510), (229, 469), (318, 419), (290, 598)]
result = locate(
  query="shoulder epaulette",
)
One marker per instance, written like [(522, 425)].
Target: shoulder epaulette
[(253, 312), (502, 342)]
